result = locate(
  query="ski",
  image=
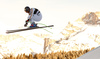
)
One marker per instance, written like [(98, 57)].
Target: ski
[(18, 30)]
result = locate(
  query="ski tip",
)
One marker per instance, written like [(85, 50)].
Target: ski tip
[(51, 26), (6, 32)]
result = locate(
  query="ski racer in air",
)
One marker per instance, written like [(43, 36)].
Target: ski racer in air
[(34, 16)]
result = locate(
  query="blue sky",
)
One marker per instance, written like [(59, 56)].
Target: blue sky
[(57, 12)]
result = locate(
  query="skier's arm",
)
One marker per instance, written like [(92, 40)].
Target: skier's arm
[(30, 16), (31, 13)]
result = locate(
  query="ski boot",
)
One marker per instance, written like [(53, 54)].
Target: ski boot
[(33, 25)]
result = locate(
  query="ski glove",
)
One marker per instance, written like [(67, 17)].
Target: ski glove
[(27, 20), (25, 24)]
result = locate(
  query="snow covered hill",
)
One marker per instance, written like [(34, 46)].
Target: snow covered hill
[(82, 33), (78, 35)]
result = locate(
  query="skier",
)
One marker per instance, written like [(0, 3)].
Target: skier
[(34, 16)]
